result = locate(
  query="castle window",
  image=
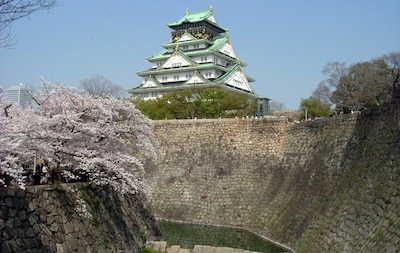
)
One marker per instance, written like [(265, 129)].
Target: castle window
[(237, 82), (208, 74), (176, 78)]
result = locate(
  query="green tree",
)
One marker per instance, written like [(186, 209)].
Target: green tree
[(313, 107), (154, 109), (212, 104), (238, 105), (179, 104), (198, 103)]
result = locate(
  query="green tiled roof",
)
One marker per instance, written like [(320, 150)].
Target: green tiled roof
[(165, 55), (187, 58), (187, 42), (228, 74), (196, 67), (198, 74), (219, 42), (195, 17), (185, 87), (251, 79), (213, 48), (160, 54)]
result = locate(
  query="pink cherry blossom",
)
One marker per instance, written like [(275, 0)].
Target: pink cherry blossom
[(104, 138)]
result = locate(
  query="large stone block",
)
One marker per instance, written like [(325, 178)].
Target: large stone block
[(9, 202)]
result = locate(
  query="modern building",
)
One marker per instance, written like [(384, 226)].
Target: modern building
[(19, 94), (263, 108), (199, 55)]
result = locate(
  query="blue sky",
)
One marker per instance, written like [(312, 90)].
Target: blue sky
[(285, 43)]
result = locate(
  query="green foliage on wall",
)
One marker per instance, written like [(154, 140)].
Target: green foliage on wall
[(314, 107), (198, 103)]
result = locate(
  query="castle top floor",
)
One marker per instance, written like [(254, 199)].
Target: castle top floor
[(200, 24)]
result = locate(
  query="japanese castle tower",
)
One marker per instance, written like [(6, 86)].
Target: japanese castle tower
[(200, 54)]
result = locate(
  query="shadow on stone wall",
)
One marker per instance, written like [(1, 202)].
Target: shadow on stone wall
[(329, 185), (74, 218)]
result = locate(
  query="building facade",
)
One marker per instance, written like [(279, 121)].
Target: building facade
[(199, 55), (19, 94)]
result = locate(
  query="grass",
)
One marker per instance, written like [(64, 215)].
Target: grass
[(148, 250)]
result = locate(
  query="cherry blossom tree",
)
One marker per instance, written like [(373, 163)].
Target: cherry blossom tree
[(104, 139), (3, 124)]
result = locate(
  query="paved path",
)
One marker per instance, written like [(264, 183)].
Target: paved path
[(211, 249), (162, 246)]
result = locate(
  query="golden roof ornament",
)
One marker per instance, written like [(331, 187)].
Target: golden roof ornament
[(177, 47), (211, 7), (187, 11)]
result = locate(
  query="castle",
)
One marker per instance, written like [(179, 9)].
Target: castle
[(199, 55)]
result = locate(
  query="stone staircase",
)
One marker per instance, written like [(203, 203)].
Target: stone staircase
[(162, 246)]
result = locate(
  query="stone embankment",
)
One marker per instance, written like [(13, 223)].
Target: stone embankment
[(74, 218), (324, 186), (331, 185)]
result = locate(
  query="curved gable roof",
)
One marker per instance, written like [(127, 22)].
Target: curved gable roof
[(194, 17), (186, 37), (150, 82), (180, 59), (236, 78), (197, 78), (198, 16)]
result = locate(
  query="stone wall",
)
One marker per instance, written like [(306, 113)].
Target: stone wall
[(330, 185), (74, 218), (324, 186)]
